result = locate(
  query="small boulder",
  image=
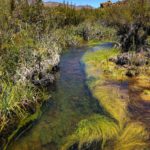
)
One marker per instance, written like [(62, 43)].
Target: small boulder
[(123, 59), (132, 72)]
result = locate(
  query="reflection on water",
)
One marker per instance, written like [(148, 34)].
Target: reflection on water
[(71, 103)]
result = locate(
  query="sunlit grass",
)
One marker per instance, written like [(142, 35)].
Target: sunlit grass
[(12, 96), (107, 96), (99, 55), (16, 100), (145, 95), (102, 129), (133, 136), (111, 102), (96, 128), (117, 128), (98, 61)]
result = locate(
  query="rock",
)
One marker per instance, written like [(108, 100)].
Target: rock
[(123, 59), (55, 68), (132, 72), (42, 79), (136, 59), (117, 45)]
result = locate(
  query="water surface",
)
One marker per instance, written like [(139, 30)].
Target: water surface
[(70, 103)]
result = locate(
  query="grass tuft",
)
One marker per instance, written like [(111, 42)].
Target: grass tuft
[(115, 131), (95, 128)]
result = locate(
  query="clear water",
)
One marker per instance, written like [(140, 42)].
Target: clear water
[(71, 102)]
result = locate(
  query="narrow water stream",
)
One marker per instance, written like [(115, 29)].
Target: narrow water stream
[(71, 102)]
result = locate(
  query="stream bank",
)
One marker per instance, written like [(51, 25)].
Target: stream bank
[(120, 96), (71, 102)]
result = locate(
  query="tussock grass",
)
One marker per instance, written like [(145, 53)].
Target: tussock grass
[(134, 136), (112, 103), (108, 97), (115, 131), (95, 128), (102, 129)]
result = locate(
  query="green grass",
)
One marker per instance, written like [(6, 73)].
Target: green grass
[(16, 99), (133, 136), (119, 133), (12, 96), (99, 55), (95, 128), (102, 129), (97, 66)]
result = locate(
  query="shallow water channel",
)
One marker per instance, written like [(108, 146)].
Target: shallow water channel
[(71, 102)]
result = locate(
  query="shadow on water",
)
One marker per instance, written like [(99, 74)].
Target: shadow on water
[(71, 102)]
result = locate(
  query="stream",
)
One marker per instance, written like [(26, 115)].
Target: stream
[(71, 102)]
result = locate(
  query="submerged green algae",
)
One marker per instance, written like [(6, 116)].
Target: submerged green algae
[(23, 123), (104, 80), (71, 103)]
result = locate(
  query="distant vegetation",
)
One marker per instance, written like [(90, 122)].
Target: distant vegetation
[(32, 38)]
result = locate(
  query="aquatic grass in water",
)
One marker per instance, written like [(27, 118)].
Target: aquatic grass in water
[(105, 94), (22, 124), (102, 129), (95, 128), (115, 128), (133, 136), (112, 103)]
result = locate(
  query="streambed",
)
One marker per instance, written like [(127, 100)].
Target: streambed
[(70, 103)]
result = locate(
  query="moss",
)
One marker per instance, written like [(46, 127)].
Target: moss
[(23, 123)]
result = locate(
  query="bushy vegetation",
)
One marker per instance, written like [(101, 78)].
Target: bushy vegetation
[(105, 79), (132, 23), (32, 38)]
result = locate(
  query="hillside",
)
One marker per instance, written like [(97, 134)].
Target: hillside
[(56, 4)]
